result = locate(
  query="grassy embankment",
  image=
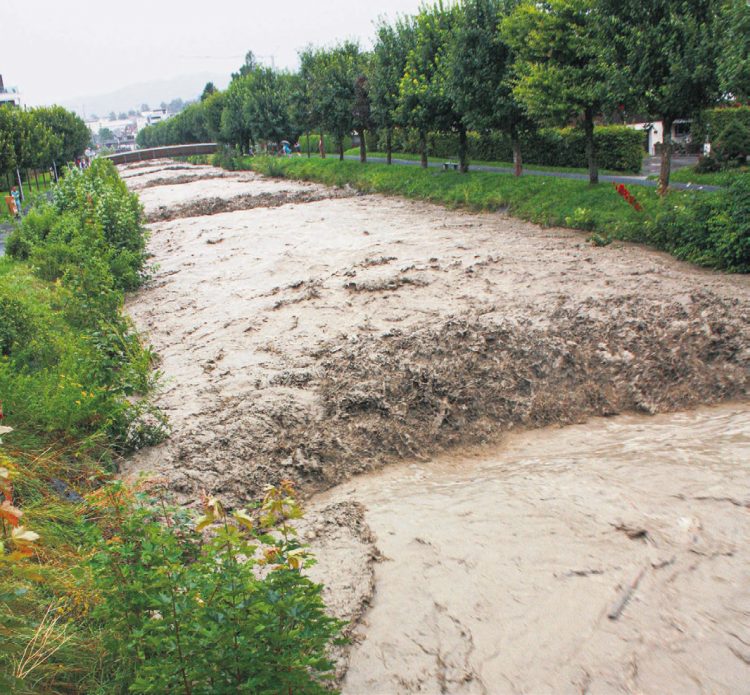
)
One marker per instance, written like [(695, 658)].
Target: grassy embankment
[(70, 364), (710, 229), (101, 590), (716, 178)]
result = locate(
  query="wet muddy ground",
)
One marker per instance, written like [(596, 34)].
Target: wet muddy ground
[(313, 334)]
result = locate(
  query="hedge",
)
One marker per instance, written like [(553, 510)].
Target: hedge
[(713, 122), (619, 148)]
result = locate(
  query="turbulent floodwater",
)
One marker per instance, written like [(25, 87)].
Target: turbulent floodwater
[(500, 567), (314, 334)]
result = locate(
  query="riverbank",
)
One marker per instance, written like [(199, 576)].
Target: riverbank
[(75, 380), (703, 227)]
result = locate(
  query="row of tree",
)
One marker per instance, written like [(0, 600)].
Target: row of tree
[(39, 138), (492, 65)]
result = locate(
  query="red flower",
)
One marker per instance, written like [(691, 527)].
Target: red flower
[(627, 195)]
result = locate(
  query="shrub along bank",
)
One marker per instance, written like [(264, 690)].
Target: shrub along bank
[(710, 229), (103, 590)]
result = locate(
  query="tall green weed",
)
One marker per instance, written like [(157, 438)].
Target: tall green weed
[(71, 362)]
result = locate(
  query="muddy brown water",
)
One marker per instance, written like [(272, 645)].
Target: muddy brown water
[(320, 335), (500, 567)]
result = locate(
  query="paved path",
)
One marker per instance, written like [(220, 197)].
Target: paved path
[(652, 163), (4, 231), (626, 179)]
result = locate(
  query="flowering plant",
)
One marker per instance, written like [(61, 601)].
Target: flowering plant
[(625, 193)]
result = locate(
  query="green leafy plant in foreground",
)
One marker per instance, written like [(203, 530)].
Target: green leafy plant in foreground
[(217, 604)]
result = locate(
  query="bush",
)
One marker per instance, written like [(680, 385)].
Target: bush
[(707, 164), (712, 122), (619, 148), (582, 218), (227, 158), (708, 230), (732, 146), (92, 214), (16, 324), (73, 362), (229, 614)]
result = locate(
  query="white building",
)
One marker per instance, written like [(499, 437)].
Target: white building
[(9, 95), (680, 133), (115, 126), (152, 117)]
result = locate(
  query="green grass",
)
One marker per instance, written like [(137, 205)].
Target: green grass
[(72, 369), (718, 178), (504, 165), (546, 201)]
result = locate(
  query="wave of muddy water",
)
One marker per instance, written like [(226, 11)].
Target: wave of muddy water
[(499, 568), (315, 334)]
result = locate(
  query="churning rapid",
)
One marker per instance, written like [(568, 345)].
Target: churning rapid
[(604, 557), (314, 334)]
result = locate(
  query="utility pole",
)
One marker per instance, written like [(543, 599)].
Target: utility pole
[(273, 60), (20, 183)]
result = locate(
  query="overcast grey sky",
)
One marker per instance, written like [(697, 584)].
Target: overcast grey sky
[(54, 50)]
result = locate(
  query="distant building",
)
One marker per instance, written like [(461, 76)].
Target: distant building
[(122, 131), (152, 117), (115, 126), (9, 95), (680, 134)]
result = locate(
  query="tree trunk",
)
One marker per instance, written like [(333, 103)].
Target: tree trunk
[(463, 149), (389, 146), (666, 157), (308, 144), (322, 146), (588, 127), (362, 147), (341, 149), (423, 149), (517, 161)]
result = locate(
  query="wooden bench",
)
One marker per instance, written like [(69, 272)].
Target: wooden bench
[(450, 165)]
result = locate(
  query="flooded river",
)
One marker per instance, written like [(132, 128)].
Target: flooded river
[(344, 341), (605, 557)]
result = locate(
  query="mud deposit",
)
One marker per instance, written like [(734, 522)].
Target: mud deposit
[(312, 334)]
